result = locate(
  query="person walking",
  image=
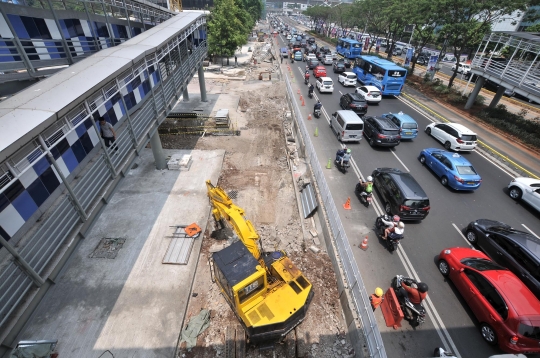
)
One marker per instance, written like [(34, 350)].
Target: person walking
[(107, 133), (376, 298)]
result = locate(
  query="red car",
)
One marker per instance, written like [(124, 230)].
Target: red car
[(508, 312), (319, 71)]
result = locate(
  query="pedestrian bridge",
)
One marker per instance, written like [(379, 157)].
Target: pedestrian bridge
[(56, 173)]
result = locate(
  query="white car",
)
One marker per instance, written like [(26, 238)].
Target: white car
[(312, 56), (325, 84), (289, 37), (328, 60), (453, 136), (462, 68), (526, 189), (371, 93), (347, 79)]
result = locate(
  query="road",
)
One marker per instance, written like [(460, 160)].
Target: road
[(451, 324)]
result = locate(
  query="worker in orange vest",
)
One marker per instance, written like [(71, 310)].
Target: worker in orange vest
[(376, 298)]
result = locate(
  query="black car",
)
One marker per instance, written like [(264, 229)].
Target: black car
[(401, 194), (345, 61), (355, 102), (311, 40), (519, 251), (381, 131), (325, 50), (338, 67), (422, 60), (303, 43), (312, 63)]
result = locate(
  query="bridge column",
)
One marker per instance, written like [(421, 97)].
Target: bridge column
[(475, 91), (495, 101), (185, 95), (157, 150), (202, 85)]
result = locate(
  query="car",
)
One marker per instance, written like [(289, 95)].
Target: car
[(347, 79), (452, 169), (408, 126), (454, 136), (401, 194), (311, 56), (298, 56), (303, 43), (519, 251), (327, 60), (289, 37), (325, 84), (319, 71), (422, 60), (345, 61), (312, 63), (371, 93), (354, 102), (338, 67), (507, 311), (381, 131), (526, 189), (334, 55), (462, 68), (398, 51), (311, 40)]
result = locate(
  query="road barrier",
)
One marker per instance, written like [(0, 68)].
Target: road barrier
[(358, 306)]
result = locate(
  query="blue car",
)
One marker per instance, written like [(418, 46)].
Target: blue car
[(407, 125), (453, 170), (298, 56)]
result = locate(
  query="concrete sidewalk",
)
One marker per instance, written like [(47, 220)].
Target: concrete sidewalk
[(132, 305)]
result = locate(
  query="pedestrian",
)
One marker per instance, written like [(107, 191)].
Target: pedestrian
[(107, 133), (376, 298), (235, 61), (282, 59)]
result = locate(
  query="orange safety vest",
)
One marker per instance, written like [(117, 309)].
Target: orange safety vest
[(375, 300)]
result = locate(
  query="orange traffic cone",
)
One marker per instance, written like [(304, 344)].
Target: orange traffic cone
[(298, 92), (303, 103), (309, 117), (301, 98), (364, 244), (347, 205)]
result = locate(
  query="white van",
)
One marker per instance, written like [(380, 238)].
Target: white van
[(325, 84), (347, 125), (347, 79)]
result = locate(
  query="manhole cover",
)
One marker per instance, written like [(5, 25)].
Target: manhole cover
[(108, 248), (233, 194)]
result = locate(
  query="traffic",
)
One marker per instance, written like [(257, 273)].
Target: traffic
[(434, 179)]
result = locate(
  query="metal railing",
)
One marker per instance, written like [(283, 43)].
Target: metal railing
[(352, 275)]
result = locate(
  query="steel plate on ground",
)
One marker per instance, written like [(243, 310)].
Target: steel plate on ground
[(309, 202)]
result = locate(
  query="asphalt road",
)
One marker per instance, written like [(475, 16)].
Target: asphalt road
[(450, 324)]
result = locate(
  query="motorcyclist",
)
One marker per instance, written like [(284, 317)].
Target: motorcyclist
[(311, 88), (367, 185), (390, 225), (317, 106), (415, 294), (306, 74), (398, 229), (343, 155)]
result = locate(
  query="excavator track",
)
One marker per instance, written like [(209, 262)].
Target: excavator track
[(235, 342)]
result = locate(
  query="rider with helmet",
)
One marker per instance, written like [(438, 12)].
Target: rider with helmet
[(317, 106), (415, 294), (368, 184), (343, 155), (390, 225), (397, 229), (310, 89)]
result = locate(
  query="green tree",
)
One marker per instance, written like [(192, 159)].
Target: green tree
[(533, 28)]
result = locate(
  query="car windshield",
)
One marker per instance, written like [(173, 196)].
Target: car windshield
[(465, 170), (466, 137), (529, 331), (356, 45), (409, 125), (481, 264), (416, 204)]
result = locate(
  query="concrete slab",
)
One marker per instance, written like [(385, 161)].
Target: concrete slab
[(132, 305), (195, 104)]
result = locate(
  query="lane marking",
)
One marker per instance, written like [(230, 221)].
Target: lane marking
[(495, 164), (529, 230), (463, 236), (399, 160)]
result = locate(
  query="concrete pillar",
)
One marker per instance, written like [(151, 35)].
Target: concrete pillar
[(202, 85), (475, 91), (495, 101), (157, 150), (185, 94)]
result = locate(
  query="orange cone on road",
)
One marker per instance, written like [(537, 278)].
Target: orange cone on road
[(303, 103), (298, 91), (309, 117), (347, 205), (301, 98), (364, 244)]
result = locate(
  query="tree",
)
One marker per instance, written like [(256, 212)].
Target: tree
[(533, 28), (319, 14)]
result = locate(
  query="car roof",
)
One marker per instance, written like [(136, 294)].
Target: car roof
[(460, 128), (385, 123), (527, 181), (372, 88), (346, 73), (349, 116), (455, 158), (410, 187), (320, 67), (356, 97), (402, 117), (527, 241), (339, 64), (325, 78)]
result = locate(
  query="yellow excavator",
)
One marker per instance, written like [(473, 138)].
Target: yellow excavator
[(267, 292)]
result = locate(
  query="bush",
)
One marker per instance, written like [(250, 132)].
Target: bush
[(480, 100), (426, 78), (456, 98), (440, 89)]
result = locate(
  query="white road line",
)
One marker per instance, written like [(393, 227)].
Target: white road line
[(461, 234), (495, 163), (529, 230), (399, 160), (340, 93)]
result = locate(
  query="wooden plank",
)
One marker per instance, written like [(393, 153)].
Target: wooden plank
[(240, 342)]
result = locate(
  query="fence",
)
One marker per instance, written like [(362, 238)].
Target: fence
[(358, 293)]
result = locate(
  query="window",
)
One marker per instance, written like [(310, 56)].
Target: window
[(340, 121), (527, 262), (489, 292), (465, 170), (529, 331), (355, 126), (447, 163), (468, 137), (442, 127), (251, 289), (481, 264), (452, 132), (416, 204), (409, 125)]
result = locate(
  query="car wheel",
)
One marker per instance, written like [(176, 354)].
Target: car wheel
[(388, 208), (447, 145), (488, 334), (444, 269), (423, 159), (371, 142), (428, 131), (471, 236), (515, 193), (444, 181)]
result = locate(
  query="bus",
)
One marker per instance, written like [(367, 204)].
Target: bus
[(349, 48), (383, 74)]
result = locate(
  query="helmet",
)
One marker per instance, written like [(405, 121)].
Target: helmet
[(422, 287), (401, 225), (348, 150), (396, 218), (379, 292), (369, 178)]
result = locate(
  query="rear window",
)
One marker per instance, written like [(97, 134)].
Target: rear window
[(416, 204), (351, 77), (328, 83), (355, 126), (529, 331), (374, 93), (465, 170), (409, 125), (469, 138), (390, 132), (481, 264)]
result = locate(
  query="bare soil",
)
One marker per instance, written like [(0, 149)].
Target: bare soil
[(256, 167)]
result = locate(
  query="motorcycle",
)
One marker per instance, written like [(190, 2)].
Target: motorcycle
[(306, 79), (440, 352), (393, 239), (362, 195), (415, 314), (317, 112), (342, 167), (310, 94)]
